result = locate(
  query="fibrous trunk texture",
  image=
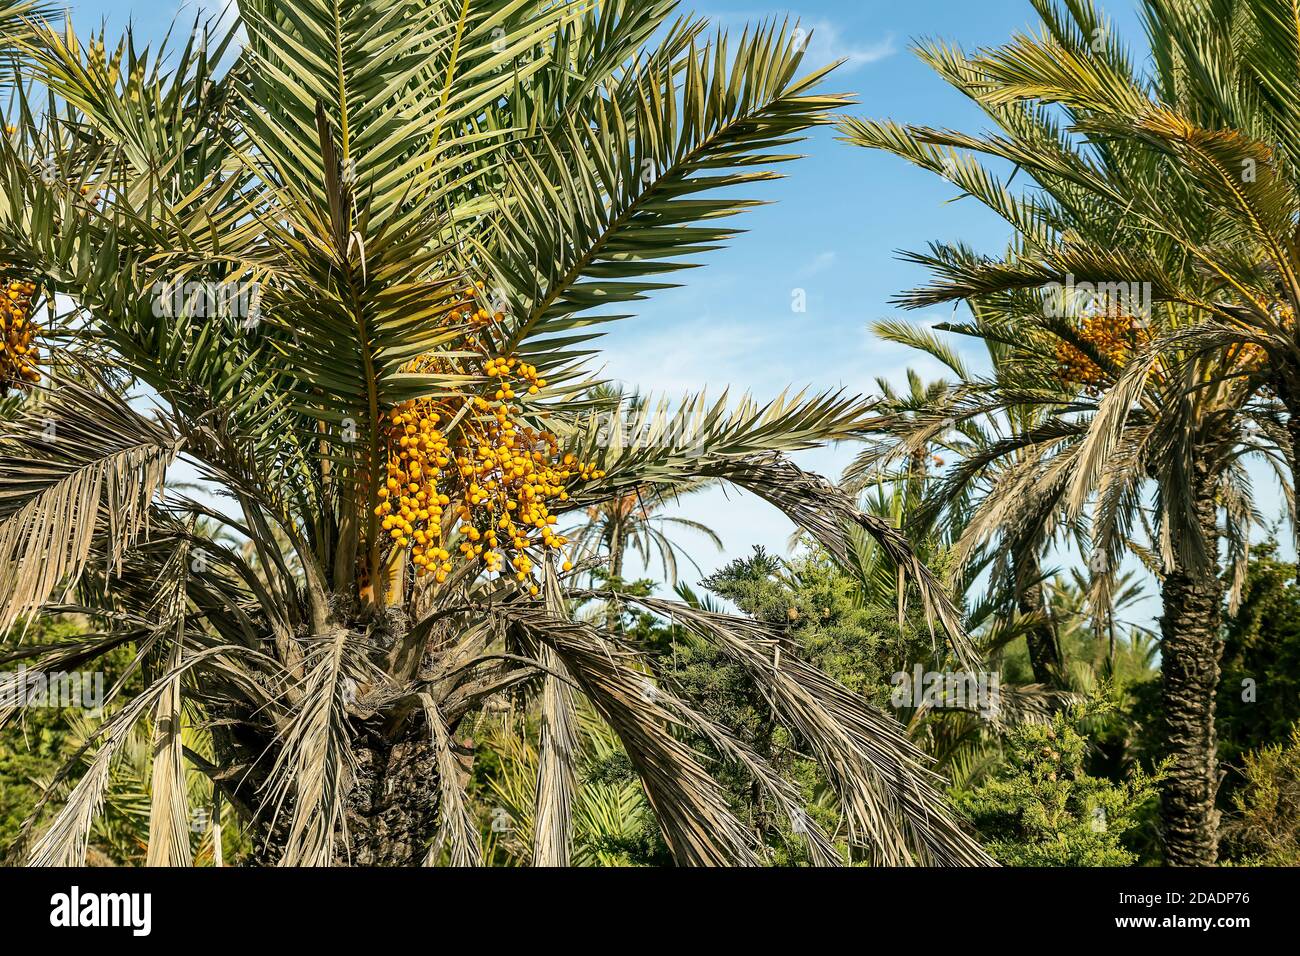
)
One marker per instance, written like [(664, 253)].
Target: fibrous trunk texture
[(1190, 649), (391, 810), (1290, 395)]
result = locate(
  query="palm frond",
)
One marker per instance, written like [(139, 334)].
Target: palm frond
[(84, 465), (888, 797)]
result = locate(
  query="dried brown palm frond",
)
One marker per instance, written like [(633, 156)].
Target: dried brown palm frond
[(84, 465), (169, 814), (315, 767), (651, 446), (886, 793), (826, 512), (557, 748), (63, 842), (691, 808), (457, 830)]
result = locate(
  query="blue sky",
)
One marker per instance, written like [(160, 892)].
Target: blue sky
[(832, 229)]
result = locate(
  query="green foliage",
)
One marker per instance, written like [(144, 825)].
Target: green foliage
[(1267, 829), (1262, 646), (1043, 809), (820, 609), (1097, 643), (1102, 653), (27, 754), (33, 748), (859, 643), (613, 824)]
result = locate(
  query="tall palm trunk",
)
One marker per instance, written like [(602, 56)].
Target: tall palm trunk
[(1288, 391), (1190, 649), (1044, 651), (617, 544)]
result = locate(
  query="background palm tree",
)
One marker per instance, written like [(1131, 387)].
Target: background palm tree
[(631, 521), (428, 204), (1118, 414), (988, 453)]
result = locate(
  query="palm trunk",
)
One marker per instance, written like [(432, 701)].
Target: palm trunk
[(1291, 399), (1190, 649), (392, 808), (1044, 651), (616, 552), (616, 544), (1286, 383)]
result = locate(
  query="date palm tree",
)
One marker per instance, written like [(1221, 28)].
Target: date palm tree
[(1218, 123), (947, 507), (1128, 401), (632, 523), (428, 204)]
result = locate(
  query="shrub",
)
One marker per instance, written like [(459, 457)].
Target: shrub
[(1044, 809)]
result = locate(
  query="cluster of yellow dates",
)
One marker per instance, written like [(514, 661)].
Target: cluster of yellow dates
[(1116, 336), (19, 354), (469, 469)]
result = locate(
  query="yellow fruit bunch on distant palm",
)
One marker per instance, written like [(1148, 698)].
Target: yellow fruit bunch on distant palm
[(18, 352), (1115, 336), (491, 482)]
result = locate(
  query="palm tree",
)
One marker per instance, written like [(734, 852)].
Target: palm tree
[(977, 442), (427, 204), (1219, 122), (1122, 409), (631, 522), (1127, 649)]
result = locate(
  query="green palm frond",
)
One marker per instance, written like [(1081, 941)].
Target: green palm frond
[(615, 198)]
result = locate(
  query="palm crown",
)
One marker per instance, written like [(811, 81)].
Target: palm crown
[(421, 207), (1169, 394)]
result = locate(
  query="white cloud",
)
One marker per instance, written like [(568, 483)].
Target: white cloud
[(820, 263), (828, 43), (762, 355), (687, 356)]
